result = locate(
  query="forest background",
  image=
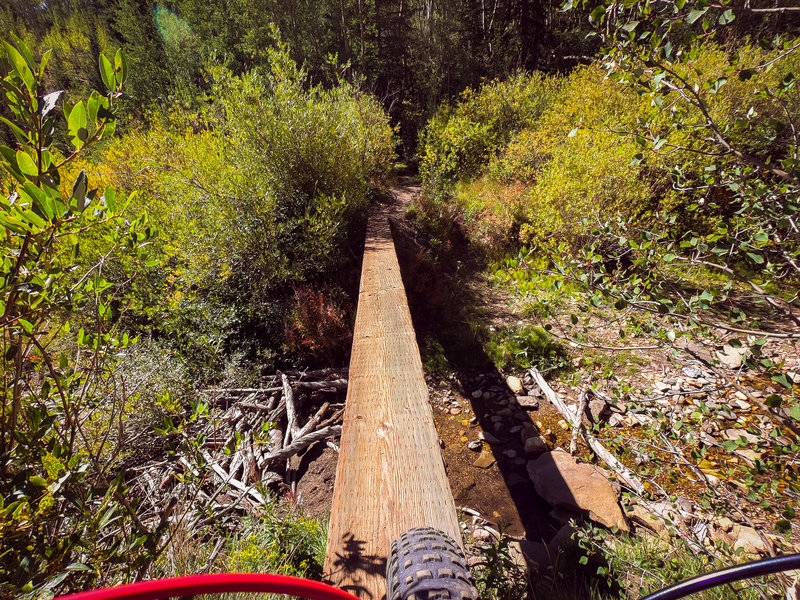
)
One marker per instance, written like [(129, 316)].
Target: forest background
[(591, 152)]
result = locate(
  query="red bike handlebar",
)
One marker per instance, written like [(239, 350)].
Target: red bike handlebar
[(193, 585)]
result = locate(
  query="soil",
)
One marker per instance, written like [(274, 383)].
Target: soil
[(317, 473)]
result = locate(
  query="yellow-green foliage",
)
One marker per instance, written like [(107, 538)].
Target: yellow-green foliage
[(459, 141), (492, 211), (569, 150), (254, 193), (575, 164), (280, 541)]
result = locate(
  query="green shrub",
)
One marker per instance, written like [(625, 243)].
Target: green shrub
[(259, 191), (280, 540), (521, 347), (458, 142)]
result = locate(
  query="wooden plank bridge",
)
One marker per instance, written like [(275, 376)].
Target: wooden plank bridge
[(390, 476)]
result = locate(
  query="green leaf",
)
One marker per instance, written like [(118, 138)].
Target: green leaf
[(36, 480), (38, 199), (668, 258), (726, 17), (695, 14), (107, 73), (756, 258), (120, 67), (630, 26), (92, 106), (598, 14), (45, 59), (77, 124), (20, 66), (783, 526), (794, 412), (21, 136), (782, 379), (26, 325), (26, 164), (79, 190)]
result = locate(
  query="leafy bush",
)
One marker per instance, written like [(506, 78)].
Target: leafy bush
[(644, 564), (281, 541), (518, 348), (259, 191), (65, 521), (458, 142), (493, 213)]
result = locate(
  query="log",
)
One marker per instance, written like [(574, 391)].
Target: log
[(338, 384), (302, 442)]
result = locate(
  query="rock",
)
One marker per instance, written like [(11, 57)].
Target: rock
[(692, 372), (748, 540), (510, 453), (735, 434), (477, 394), (488, 437), (598, 408), (616, 420), (476, 445), (485, 460), (725, 524), (563, 424), (662, 387), (515, 385), (528, 402), (794, 377), (455, 411), (642, 516), (732, 357), (535, 445), (565, 483), (535, 390), (740, 395)]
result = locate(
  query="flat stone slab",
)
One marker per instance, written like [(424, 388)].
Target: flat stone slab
[(565, 483)]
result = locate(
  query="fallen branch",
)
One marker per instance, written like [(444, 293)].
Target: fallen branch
[(623, 472), (301, 443), (578, 425)]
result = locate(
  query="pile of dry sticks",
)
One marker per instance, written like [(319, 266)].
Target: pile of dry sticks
[(246, 440)]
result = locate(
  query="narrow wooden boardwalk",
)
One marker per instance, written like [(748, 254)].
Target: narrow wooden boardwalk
[(390, 476)]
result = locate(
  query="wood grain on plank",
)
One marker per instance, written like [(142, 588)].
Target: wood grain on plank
[(390, 476)]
